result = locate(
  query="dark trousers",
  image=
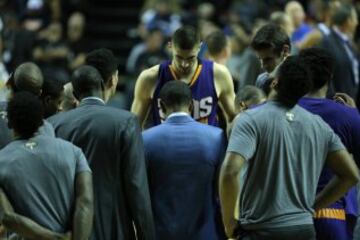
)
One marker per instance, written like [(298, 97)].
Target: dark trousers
[(299, 232)]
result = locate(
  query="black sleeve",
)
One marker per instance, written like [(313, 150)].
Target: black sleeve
[(136, 182)]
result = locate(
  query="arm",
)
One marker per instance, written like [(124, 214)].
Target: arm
[(136, 182), (84, 206), (144, 89), (312, 39), (347, 175), (225, 89), (229, 189), (22, 225)]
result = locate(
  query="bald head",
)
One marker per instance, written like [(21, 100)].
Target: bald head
[(28, 77)]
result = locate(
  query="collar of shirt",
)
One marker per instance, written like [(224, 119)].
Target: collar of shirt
[(343, 36), (93, 98), (176, 114)]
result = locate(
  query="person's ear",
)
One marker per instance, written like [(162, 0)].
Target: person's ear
[(243, 106), (47, 100), (163, 107), (285, 51), (191, 106), (274, 83)]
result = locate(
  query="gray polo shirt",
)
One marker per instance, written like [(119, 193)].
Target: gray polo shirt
[(285, 150), (38, 176)]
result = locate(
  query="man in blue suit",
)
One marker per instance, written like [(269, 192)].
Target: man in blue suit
[(183, 158)]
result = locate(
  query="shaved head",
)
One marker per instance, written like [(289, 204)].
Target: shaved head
[(28, 77)]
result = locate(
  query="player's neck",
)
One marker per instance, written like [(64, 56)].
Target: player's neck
[(321, 93), (185, 77)]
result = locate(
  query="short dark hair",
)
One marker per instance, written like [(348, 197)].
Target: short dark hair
[(216, 42), (85, 80), (104, 61), (294, 81), (25, 114), (186, 38), (272, 37), (249, 93), (52, 88), (321, 65), (342, 14), (175, 94)]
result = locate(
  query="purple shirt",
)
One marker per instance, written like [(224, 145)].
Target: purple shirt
[(345, 121), (202, 88)]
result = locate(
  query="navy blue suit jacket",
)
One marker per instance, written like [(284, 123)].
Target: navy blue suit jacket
[(183, 158)]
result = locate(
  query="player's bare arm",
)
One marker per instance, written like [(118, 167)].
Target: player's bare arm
[(144, 90), (225, 90)]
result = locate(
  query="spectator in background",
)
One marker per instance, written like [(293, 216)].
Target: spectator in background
[(218, 47), (340, 41), (161, 15), (283, 20), (75, 40), (51, 53), (3, 74), (323, 29), (243, 64), (297, 14), (153, 53)]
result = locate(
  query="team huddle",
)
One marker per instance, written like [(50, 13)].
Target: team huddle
[(191, 160)]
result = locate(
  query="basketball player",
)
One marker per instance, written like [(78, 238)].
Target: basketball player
[(210, 82)]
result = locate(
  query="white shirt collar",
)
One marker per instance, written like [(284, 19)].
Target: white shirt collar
[(176, 114), (343, 36), (94, 98)]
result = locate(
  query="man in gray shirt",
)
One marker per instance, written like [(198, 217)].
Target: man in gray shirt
[(45, 182), (281, 149)]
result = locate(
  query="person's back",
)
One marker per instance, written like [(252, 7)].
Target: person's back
[(287, 173), (182, 167), (45, 191), (183, 158), (111, 141)]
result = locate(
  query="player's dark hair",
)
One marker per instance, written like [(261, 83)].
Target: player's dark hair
[(342, 14), (216, 42), (104, 61), (25, 114), (321, 65), (294, 81), (186, 38), (86, 80), (272, 37), (175, 94)]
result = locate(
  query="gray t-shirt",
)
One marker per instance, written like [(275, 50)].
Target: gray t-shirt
[(38, 176), (285, 150)]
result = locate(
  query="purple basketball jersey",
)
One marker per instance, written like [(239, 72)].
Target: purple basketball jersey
[(203, 93)]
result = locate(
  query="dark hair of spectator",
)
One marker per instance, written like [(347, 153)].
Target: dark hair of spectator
[(86, 80), (186, 38), (294, 81), (25, 114), (175, 94), (104, 61), (342, 14), (52, 88), (249, 93), (272, 37), (321, 65), (216, 42)]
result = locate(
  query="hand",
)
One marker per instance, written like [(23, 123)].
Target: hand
[(230, 228), (344, 99)]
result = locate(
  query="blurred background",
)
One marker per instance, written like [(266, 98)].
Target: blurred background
[(56, 34)]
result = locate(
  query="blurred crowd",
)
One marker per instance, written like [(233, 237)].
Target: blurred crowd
[(52, 33)]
